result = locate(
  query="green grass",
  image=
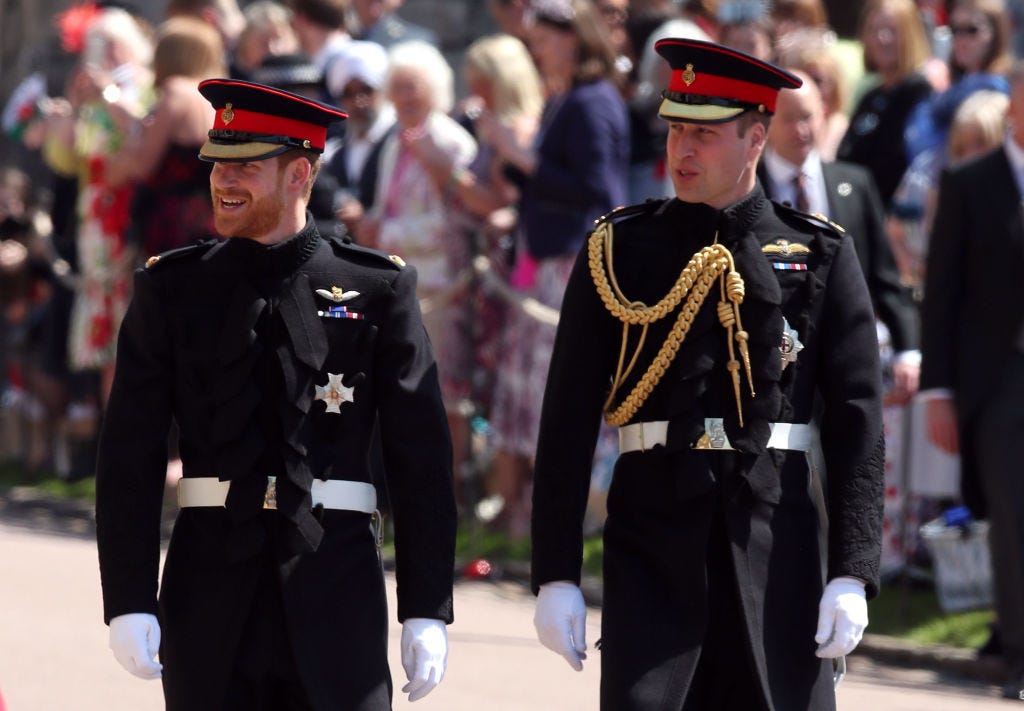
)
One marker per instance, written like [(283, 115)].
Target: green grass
[(914, 613), (13, 474)]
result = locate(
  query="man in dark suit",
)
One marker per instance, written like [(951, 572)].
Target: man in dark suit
[(791, 170), (973, 349), (277, 351), (722, 587)]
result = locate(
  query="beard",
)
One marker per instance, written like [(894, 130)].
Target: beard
[(258, 218)]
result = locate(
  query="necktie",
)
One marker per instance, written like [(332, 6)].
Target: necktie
[(800, 193)]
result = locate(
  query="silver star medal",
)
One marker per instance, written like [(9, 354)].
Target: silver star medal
[(337, 295), (791, 345), (334, 393)]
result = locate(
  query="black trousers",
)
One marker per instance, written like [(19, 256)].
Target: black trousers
[(264, 676), (997, 436), (664, 646), (726, 678)]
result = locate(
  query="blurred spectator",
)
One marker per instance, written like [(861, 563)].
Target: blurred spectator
[(410, 217), (574, 172), (614, 14), (108, 93), (31, 114), (753, 37), (322, 30), (978, 127), (356, 85), (268, 31), (792, 15), (815, 54), (792, 170), (747, 27), (225, 15), (979, 60), (973, 366), (510, 16), (27, 416), (702, 13), (895, 48), (505, 98), (171, 206), (380, 23)]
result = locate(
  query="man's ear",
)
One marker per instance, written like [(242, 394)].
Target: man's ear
[(297, 173), (758, 135)]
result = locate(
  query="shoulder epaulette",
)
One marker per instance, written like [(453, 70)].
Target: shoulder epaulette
[(393, 260), (815, 219), (174, 255), (649, 205)]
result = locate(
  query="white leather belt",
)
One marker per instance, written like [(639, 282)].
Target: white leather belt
[(332, 494), (642, 436)]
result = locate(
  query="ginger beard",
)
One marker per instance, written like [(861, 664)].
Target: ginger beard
[(237, 213)]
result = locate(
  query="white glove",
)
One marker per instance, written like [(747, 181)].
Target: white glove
[(842, 617), (135, 640), (424, 655), (561, 621)]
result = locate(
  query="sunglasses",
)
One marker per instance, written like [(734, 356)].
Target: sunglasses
[(965, 30)]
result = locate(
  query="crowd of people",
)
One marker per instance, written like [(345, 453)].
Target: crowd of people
[(484, 173)]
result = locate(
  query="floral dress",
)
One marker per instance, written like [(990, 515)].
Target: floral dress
[(104, 265)]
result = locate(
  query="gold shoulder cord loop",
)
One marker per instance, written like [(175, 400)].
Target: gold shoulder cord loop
[(694, 283)]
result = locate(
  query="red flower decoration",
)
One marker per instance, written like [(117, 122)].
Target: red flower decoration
[(113, 209), (101, 331), (73, 23)]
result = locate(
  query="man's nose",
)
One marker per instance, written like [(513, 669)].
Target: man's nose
[(223, 174), (683, 145)]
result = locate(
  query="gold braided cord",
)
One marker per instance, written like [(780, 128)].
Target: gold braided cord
[(694, 282), (636, 313)]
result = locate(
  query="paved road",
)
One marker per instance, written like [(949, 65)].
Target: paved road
[(53, 654)]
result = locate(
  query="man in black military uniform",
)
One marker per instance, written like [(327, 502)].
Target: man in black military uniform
[(731, 579), (275, 351)]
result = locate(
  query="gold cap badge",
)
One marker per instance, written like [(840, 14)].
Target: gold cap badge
[(689, 76), (227, 115)]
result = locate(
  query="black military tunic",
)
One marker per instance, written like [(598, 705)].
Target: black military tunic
[(675, 512), (231, 339)]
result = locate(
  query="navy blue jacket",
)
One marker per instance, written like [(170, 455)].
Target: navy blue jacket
[(582, 168)]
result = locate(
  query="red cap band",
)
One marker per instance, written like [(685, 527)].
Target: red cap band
[(255, 122), (705, 84)]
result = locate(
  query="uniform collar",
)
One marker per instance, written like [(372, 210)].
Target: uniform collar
[(737, 218), (251, 256)]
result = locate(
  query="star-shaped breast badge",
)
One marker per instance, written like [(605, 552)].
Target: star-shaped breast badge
[(335, 393)]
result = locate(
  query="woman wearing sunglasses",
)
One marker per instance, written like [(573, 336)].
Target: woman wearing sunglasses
[(979, 59)]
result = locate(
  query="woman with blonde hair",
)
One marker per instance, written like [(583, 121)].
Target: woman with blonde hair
[(505, 97), (574, 171), (267, 32), (896, 49), (172, 204)]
